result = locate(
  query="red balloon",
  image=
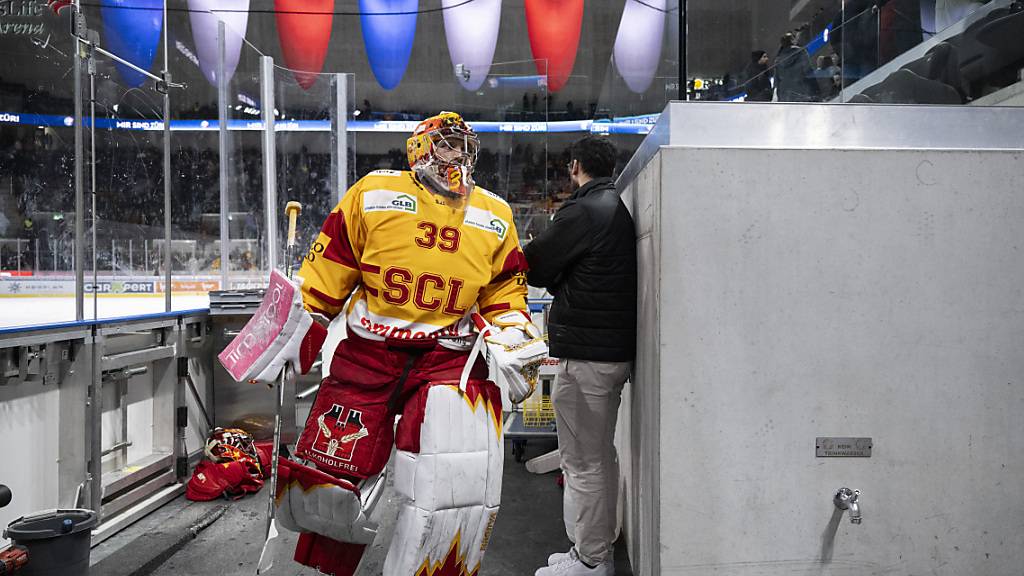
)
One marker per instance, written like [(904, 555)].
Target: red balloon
[(554, 27), (304, 36)]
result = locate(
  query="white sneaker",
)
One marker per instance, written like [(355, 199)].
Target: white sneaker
[(572, 566), (559, 557)]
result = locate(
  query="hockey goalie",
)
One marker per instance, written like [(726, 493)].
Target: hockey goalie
[(427, 269)]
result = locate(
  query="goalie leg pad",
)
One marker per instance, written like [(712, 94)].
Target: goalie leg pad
[(448, 471)]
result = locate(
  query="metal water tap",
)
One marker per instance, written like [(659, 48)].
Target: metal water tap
[(846, 499)]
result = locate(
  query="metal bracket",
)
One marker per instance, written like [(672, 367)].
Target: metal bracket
[(26, 364), (124, 373), (136, 357), (307, 392), (90, 41), (116, 447), (183, 375), (165, 83)]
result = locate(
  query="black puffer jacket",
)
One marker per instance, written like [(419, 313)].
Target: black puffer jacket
[(587, 260)]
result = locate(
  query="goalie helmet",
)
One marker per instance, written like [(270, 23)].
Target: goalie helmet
[(442, 151), (233, 445)]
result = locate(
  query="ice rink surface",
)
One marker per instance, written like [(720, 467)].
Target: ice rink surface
[(34, 311)]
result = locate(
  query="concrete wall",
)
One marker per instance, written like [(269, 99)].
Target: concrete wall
[(638, 434), (788, 294)]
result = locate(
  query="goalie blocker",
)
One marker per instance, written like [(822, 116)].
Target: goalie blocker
[(281, 331)]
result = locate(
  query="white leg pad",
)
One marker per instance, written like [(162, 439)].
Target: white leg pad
[(451, 488)]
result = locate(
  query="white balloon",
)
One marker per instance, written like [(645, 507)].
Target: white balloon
[(204, 33), (638, 43), (472, 33)]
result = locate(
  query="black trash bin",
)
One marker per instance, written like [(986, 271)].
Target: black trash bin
[(58, 542)]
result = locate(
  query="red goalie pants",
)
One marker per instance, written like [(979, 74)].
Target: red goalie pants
[(350, 429)]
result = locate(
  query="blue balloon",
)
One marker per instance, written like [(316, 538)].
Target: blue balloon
[(389, 27), (131, 29)]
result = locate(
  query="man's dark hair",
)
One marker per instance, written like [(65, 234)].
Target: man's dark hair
[(596, 155)]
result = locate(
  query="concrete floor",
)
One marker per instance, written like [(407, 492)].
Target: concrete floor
[(529, 527)]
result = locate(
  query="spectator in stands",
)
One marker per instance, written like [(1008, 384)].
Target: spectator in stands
[(794, 80), (828, 77), (757, 78)]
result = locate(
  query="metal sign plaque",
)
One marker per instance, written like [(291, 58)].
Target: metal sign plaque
[(842, 447)]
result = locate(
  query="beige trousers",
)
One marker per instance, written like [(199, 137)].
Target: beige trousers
[(586, 399)]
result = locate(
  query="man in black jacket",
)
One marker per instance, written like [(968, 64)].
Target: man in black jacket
[(587, 260)]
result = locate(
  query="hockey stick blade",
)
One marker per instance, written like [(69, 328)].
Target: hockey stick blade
[(269, 550)]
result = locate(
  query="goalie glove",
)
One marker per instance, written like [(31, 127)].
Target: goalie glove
[(518, 349), (280, 332)]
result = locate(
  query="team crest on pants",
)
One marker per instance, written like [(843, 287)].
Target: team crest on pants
[(338, 432)]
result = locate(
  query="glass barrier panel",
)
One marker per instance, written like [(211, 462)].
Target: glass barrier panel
[(307, 110), (629, 59), (761, 52), (195, 157), (510, 110), (243, 155), (37, 159), (948, 52), (124, 176), (124, 168)]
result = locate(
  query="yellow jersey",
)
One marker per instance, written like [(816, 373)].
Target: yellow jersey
[(414, 266)]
